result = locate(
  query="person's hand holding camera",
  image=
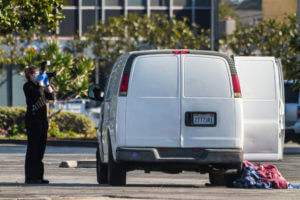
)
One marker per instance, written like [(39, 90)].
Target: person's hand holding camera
[(43, 80)]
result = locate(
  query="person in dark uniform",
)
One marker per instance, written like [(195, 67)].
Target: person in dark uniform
[(37, 94)]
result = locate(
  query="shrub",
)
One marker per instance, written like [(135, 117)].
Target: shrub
[(54, 131), (12, 120), (74, 122), (67, 123)]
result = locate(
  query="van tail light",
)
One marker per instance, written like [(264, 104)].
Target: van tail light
[(181, 52), (184, 52), (124, 85), (298, 115), (236, 86)]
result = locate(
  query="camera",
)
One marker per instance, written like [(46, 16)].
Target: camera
[(44, 77), (43, 67)]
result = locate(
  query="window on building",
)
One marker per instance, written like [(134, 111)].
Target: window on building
[(112, 13), (90, 2), (69, 26), (140, 13), (114, 2), (161, 12), (202, 18), (72, 2), (182, 2), (180, 14), (203, 3), (88, 19), (137, 2), (159, 2)]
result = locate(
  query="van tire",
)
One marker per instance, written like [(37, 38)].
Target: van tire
[(223, 178), (101, 169), (217, 178), (116, 171)]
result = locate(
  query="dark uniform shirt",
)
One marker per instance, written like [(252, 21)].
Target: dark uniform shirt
[(35, 99)]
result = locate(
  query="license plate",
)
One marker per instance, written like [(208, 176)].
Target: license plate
[(204, 119)]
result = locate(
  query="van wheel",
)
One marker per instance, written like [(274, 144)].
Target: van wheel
[(116, 171), (217, 178), (223, 178), (101, 169)]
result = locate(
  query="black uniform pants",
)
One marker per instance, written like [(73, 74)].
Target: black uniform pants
[(36, 145)]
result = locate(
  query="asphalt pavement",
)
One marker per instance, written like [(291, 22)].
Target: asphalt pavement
[(80, 183)]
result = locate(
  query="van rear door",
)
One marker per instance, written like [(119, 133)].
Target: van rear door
[(263, 102), (208, 103), (153, 102)]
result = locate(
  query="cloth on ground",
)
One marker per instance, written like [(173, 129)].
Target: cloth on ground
[(291, 186), (250, 179), (260, 176), (269, 173)]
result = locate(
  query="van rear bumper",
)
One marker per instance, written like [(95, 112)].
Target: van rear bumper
[(180, 155)]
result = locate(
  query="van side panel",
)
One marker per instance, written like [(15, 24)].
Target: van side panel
[(259, 81), (153, 102), (207, 88)]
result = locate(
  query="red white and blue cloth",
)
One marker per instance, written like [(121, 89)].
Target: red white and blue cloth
[(265, 176)]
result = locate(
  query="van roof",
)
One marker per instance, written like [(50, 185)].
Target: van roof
[(132, 55)]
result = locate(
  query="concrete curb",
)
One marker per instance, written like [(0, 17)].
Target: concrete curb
[(86, 163), (78, 164), (68, 164), (69, 143)]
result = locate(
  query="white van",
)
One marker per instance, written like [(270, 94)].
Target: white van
[(175, 110)]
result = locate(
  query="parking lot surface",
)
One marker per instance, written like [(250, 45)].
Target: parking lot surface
[(80, 183)]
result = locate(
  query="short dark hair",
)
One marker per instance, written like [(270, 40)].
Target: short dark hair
[(30, 70)]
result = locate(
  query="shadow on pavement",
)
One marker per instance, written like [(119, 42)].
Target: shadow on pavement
[(291, 150), (50, 185), (166, 185), (97, 185)]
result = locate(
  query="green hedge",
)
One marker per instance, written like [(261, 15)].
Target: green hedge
[(66, 121), (12, 118), (78, 123)]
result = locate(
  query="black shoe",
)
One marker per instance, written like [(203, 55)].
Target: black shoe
[(33, 181), (44, 181)]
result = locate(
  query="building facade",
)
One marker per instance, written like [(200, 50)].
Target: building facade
[(80, 14), (278, 8)]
